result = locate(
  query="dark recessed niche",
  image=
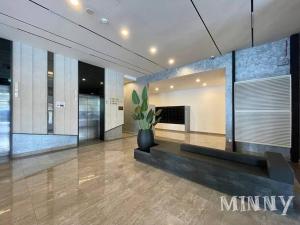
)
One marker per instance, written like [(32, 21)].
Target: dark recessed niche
[(50, 84), (5, 61), (91, 79), (172, 114)]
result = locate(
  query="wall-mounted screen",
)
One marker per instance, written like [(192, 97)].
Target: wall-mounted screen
[(172, 114)]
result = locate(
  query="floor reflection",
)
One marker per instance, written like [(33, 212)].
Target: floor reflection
[(103, 184)]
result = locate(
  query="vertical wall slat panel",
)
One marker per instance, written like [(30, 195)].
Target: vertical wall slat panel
[(113, 99), (39, 91), (26, 89), (16, 87), (67, 91), (59, 94), (74, 97)]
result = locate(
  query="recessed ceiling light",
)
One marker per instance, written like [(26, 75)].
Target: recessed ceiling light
[(104, 20), (172, 86), (171, 61), (101, 83), (198, 80), (157, 89), (74, 2), (83, 79), (204, 84), (153, 50), (124, 32), (89, 11)]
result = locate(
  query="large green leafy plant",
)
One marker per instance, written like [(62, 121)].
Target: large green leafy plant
[(146, 118)]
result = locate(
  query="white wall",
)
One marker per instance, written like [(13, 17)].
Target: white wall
[(114, 98), (30, 89), (207, 107), (66, 91)]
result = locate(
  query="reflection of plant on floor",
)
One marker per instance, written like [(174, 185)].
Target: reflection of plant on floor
[(146, 119)]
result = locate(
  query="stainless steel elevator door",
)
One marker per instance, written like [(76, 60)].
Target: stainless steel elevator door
[(89, 117), (4, 119)]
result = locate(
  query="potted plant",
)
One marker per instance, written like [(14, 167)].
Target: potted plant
[(145, 118)]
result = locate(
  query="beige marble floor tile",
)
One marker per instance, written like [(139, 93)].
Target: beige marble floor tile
[(104, 185)]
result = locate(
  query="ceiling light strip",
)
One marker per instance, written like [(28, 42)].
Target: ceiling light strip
[(39, 36), (85, 46), (206, 27), (99, 35)]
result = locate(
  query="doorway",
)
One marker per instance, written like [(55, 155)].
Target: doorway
[(91, 103)]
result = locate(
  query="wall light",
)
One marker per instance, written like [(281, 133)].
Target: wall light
[(157, 89), (172, 86), (204, 84), (74, 2), (50, 73), (101, 83), (198, 80), (83, 79), (104, 20), (125, 32), (171, 61), (153, 50)]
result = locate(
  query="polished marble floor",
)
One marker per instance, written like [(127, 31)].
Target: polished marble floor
[(103, 184)]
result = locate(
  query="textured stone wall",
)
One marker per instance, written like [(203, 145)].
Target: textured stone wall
[(271, 59)]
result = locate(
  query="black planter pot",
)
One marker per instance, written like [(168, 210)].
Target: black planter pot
[(145, 140)]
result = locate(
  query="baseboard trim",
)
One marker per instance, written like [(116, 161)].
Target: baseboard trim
[(42, 152), (193, 132)]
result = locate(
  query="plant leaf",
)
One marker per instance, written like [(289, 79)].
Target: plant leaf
[(135, 98), (137, 109), (145, 94), (150, 115), (144, 107), (134, 116), (156, 122), (158, 112), (141, 116)]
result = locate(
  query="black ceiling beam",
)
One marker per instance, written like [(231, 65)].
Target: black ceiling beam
[(213, 40), (95, 33)]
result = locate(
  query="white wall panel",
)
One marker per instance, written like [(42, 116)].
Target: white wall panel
[(16, 87), (59, 93), (113, 99), (207, 107), (39, 91), (263, 111), (65, 92), (30, 89), (26, 89)]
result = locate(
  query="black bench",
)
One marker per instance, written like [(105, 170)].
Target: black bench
[(228, 172)]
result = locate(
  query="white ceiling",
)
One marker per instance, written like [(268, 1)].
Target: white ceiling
[(173, 26), (211, 78)]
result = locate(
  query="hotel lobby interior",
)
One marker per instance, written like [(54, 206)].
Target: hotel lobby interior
[(132, 112)]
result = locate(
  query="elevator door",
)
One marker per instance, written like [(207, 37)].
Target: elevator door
[(4, 120), (89, 117)]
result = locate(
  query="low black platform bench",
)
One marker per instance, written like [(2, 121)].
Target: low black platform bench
[(232, 173)]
